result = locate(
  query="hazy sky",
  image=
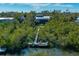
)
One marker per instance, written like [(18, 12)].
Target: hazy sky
[(73, 7)]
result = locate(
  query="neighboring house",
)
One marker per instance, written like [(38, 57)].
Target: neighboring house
[(6, 19), (77, 20), (21, 19), (42, 19)]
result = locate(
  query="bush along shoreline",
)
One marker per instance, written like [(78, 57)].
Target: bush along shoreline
[(61, 30)]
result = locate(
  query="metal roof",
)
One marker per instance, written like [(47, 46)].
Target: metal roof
[(77, 19), (43, 17), (6, 18)]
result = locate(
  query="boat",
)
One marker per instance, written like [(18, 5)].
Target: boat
[(2, 50)]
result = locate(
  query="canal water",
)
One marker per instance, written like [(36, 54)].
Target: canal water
[(48, 51)]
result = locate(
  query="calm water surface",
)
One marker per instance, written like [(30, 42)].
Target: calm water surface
[(49, 51)]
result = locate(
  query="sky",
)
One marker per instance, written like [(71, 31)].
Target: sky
[(38, 7)]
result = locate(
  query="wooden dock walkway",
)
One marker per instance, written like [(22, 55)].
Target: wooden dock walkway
[(39, 44)]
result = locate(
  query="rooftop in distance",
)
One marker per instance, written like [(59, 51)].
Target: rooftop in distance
[(6, 18), (77, 19), (42, 17)]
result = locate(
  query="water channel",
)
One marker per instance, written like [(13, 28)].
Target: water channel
[(48, 51)]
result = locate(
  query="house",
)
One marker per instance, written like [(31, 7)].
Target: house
[(77, 20), (6, 19), (42, 19), (21, 19)]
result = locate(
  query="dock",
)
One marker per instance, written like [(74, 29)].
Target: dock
[(36, 43)]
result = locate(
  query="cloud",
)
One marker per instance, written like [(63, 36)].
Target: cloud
[(74, 10), (38, 6), (62, 5)]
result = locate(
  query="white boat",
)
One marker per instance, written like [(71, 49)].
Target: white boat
[(2, 50)]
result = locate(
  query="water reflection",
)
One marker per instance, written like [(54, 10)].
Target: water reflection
[(46, 51), (49, 51)]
